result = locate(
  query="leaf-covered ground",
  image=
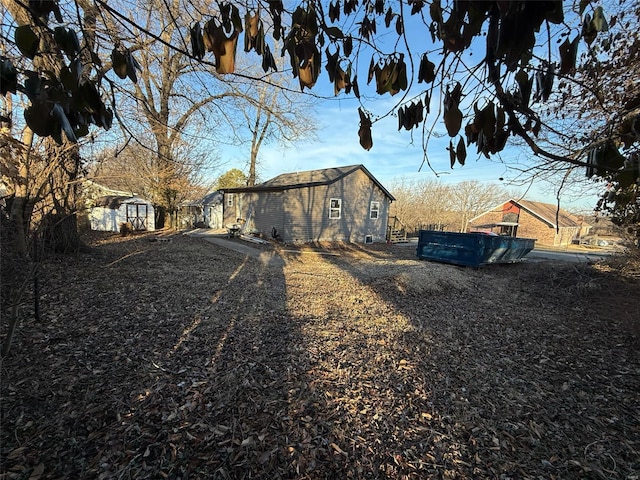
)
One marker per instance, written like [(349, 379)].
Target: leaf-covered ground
[(183, 359)]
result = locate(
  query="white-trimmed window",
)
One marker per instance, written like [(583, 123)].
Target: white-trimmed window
[(335, 207), (374, 210), (229, 199)]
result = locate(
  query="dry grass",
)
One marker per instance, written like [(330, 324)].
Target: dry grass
[(182, 359)]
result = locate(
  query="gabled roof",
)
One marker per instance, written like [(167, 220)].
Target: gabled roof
[(213, 198), (545, 212), (550, 213), (107, 190), (114, 201), (310, 178)]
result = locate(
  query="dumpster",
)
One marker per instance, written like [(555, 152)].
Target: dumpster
[(471, 249)]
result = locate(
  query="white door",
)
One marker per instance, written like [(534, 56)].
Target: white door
[(215, 216)]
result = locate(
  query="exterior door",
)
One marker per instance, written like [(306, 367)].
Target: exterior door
[(137, 215), (215, 216)]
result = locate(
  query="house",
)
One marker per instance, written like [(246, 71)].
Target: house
[(109, 212), (603, 232), (332, 204), (545, 222), (205, 212)]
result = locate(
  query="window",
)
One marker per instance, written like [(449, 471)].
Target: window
[(229, 199), (374, 210), (510, 217), (510, 224), (335, 208)]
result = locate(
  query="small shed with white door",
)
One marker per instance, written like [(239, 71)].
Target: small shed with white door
[(111, 211)]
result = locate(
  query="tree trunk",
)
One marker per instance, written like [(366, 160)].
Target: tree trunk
[(251, 179), (14, 266), (20, 206)]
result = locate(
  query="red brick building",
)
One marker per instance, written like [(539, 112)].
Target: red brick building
[(545, 222)]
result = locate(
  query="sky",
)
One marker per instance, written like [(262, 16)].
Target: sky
[(397, 154)]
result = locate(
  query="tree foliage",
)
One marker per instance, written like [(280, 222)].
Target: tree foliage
[(526, 51), (231, 179), (612, 72)]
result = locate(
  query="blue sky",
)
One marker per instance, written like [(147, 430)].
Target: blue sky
[(398, 154)]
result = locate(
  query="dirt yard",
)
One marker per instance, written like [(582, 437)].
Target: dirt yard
[(181, 359)]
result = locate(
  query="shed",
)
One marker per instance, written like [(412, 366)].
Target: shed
[(111, 211), (331, 204), (545, 222)]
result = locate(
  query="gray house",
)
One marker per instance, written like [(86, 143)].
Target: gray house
[(333, 204)]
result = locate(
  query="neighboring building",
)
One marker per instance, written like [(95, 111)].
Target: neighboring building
[(111, 211), (333, 204), (108, 208), (203, 213), (542, 221), (603, 232)]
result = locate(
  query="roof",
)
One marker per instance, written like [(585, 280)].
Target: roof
[(107, 190), (310, 178), (213, 198), (550, 213), (497, 224), (114, 201), (546, 212)]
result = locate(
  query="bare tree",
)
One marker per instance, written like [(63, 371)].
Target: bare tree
[(135, 169), (178, 100), (432, 204), (471, 198), (421, 203), (272, 112)]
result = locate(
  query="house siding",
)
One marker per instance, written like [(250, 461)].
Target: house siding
[(302, 214)]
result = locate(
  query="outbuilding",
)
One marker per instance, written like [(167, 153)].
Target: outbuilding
[(110, 212)]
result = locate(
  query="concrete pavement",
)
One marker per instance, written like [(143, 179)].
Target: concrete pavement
[(219, 237)]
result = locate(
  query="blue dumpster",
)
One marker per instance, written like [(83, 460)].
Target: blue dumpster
[(471, 249)]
